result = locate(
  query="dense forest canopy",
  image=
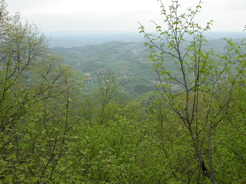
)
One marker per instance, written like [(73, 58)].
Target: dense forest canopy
[(87, 119)]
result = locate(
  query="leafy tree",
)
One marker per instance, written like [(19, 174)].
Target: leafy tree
[(107, 89), (208, 81), (36, 134)]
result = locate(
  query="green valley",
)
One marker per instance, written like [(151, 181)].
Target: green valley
[(108, 110)]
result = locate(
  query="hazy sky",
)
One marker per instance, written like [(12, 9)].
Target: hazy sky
[(121, 15)]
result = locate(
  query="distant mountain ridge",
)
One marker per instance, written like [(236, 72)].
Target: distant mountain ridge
[(77, 39)]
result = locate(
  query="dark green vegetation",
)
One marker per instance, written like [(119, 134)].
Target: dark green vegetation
[(53, 130)]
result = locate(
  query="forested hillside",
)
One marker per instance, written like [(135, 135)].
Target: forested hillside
[(128, 61), (168, 110)]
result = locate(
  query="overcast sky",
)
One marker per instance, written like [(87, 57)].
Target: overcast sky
[(121, 15)]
